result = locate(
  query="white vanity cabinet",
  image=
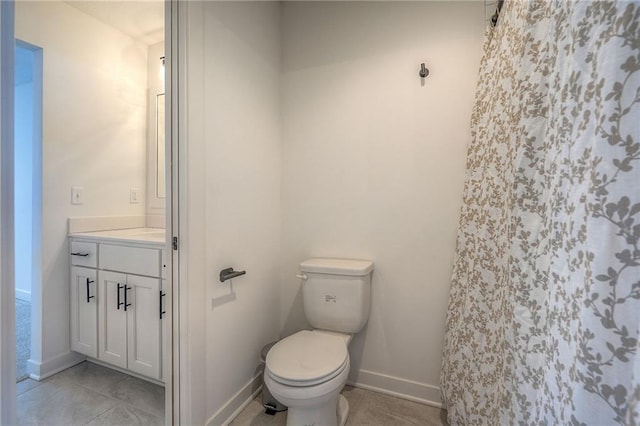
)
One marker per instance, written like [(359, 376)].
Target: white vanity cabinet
[(117, 304), (129, 323), (84, 311), (84, 303)]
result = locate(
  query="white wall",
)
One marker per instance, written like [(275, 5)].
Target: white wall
[(94, 136), (229, 201), (374, 165)]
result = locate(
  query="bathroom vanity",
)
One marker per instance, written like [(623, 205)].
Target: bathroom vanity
[(117, 298)]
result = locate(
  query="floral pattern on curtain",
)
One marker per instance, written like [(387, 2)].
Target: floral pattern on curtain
[(544, 311)]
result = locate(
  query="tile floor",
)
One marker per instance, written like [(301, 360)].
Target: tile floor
[(365, 409), (89, 394)]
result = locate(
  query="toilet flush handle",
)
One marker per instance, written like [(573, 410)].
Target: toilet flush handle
[(302, 276)]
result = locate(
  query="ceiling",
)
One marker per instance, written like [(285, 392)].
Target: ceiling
[(142, 20)]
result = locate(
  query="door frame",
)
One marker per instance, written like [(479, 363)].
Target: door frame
[(174, 398), (7, 289)]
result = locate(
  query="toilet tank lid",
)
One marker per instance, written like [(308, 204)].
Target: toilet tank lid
[(355, 267)]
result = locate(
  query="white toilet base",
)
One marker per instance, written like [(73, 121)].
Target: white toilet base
[(321, 412), (343, 410), (334, 413)]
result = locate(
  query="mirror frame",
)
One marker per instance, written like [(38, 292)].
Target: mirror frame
[(160, 186), (155, 203)]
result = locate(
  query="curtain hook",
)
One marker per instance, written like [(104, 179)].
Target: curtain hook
[(424, 71)]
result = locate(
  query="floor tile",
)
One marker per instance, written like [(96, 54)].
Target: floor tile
[(60, 402), (366, 408), (25, 385), (125, 414), (92, 376), (139, 393), (379, 409)]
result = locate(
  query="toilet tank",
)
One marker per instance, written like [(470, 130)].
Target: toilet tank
[(337, 293)]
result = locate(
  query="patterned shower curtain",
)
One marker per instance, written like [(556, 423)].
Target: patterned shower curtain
[(544, 312)]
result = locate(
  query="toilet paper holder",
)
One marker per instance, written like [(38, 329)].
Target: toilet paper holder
[(228, 273)]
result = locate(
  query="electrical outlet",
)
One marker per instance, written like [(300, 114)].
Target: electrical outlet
[(77, 195), (135, 195)]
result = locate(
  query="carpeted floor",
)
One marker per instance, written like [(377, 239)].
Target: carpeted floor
[(23, 337)]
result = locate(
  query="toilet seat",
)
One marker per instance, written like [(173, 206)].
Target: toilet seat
[(307, 358)]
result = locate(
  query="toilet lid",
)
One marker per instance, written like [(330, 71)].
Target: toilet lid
[(307, 357)]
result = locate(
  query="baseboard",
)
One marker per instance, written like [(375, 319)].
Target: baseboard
[(237, 403), (23, 295), (42, 370), (395, 386)]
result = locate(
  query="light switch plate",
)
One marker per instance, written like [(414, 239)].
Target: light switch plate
[(77, 195), (134, 195)]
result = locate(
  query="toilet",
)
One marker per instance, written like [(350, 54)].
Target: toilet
[(307, 370)]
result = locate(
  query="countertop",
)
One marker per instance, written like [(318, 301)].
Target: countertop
[(155, 236)]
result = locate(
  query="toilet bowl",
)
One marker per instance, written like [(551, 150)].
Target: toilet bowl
[(306, 372)]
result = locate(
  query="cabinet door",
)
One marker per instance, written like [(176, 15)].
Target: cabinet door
[(84, 311), (144, 326), (112, 318)]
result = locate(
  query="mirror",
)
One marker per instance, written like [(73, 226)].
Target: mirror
[(156, 137), (160, 177)]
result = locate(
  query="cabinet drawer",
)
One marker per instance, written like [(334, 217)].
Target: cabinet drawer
[(132, 260), (84, 254)]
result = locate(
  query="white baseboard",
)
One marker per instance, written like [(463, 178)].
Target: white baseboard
[(237, 403), (395, 386), (42, 370), (23, 295)]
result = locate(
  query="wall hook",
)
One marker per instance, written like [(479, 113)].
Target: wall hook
[(424, 71)]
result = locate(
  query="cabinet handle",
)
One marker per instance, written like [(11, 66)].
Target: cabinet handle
[(126, 289), (162, 311), (89, 281), (80, 254), (119, 302)]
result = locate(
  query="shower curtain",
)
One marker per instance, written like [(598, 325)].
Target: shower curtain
[(544, 310)]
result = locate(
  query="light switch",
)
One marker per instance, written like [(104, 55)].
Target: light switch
[(135, 195), (77, 195)]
